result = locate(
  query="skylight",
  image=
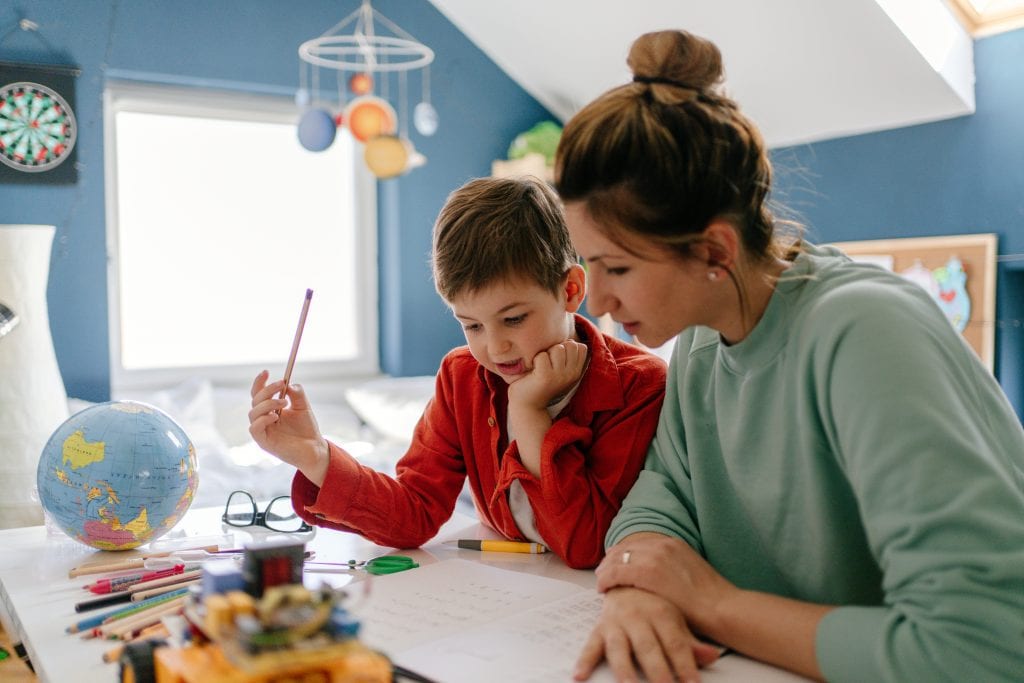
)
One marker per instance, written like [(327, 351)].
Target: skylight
[(985, 17)]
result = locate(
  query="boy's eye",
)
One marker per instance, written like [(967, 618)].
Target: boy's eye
[(471, 327), (621, 270), (515, 320)]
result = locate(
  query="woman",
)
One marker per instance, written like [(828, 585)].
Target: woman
[(837, 484)]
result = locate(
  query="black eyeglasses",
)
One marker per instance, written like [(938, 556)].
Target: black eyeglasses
[(279, 516)]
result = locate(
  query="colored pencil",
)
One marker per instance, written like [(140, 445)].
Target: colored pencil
[(295, 342), (98, 619), (142, 595), (120, 629), (133, 563), (166, 581)]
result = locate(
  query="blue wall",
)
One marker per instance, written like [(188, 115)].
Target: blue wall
[(951, 177), (964, 175), (251, 45)]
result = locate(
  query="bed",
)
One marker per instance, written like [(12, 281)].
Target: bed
[(373, 420)]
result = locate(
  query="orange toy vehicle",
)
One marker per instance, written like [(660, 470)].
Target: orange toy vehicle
[(289, 634)]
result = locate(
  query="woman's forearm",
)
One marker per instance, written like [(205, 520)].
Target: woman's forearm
[(773, 629)]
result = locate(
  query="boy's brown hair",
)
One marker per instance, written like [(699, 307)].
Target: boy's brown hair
[(492, 229)]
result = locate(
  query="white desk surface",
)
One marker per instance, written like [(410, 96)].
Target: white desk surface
[(37, 598)]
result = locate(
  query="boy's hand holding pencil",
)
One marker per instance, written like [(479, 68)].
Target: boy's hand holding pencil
[(281, 420)]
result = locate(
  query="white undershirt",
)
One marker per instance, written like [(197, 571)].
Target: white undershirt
[(518, 501)]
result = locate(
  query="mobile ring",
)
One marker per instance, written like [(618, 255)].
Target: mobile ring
[(625, 557)]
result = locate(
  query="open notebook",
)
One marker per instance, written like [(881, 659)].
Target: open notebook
[(461, 621)]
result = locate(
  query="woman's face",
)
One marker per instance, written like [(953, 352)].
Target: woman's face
[(653, 296)]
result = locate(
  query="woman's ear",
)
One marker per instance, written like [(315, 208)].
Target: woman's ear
[(575, 288), (721, 245)]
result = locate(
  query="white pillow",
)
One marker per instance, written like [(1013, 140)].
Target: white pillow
[(392, 405)]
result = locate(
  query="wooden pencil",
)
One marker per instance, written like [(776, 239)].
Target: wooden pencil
[(133, 563), (166, 581), (87, 625), (160, 590), (295, 342), (146, 617)]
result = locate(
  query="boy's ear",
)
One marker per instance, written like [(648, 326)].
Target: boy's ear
[(575, 288)]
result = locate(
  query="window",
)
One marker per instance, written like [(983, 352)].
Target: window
[(985, 17), (218, 222)]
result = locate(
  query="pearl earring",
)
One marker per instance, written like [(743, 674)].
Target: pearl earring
[(712, 275)]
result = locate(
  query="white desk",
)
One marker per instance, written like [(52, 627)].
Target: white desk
[(38, 598)]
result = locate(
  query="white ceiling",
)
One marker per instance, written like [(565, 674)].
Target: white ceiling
[(804, 70)]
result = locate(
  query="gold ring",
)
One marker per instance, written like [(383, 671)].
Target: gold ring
[(625, 557)]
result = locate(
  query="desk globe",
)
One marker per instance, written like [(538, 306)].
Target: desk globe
[(117, 475)]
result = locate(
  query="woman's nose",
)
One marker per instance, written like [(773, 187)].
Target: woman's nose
[(599, 302)]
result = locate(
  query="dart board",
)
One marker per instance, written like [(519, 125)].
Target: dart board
[(37, 127)]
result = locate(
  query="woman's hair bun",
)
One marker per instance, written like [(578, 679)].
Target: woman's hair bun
[(676, 57)]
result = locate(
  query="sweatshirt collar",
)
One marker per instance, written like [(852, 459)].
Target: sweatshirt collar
[(769, 337)]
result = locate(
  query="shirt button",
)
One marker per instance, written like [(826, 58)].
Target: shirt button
[(490, 421)]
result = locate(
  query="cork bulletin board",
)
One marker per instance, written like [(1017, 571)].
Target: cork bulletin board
[(959, 271)]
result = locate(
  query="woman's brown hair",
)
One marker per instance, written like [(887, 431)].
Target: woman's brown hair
[(666, 154)]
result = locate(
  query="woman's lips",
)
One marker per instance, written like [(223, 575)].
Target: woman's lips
[(515, 368)]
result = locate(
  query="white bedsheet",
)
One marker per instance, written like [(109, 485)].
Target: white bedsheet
[(216, 421)]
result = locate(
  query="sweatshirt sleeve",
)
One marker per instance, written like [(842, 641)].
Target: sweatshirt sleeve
[(661, 500), (933, 453), (587, 467), (404, 511)]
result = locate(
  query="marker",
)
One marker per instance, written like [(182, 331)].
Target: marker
[(104, 601), (501, 546), (121, 583)]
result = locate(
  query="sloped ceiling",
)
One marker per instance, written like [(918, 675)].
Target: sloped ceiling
[(804, 70)]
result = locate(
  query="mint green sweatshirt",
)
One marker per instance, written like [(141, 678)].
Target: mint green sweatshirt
[(851, 451)]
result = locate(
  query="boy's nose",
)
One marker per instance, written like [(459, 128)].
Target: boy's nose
[(498, 345)]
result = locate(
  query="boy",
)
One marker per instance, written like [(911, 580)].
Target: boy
[(548, 418)]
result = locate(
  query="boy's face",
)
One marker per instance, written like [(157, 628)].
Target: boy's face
[(509, 322)]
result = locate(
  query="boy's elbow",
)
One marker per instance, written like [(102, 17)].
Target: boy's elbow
[(585, 560)]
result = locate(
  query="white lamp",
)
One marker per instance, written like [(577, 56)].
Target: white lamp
[(33, 401)]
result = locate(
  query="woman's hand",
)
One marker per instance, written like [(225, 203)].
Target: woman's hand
[(670, 568), (287, 427), (768, 627), (641, 626)]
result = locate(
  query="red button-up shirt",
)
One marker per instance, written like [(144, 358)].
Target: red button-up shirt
[(590, 458)]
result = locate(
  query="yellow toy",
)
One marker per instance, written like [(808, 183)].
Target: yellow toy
[(288, 634)]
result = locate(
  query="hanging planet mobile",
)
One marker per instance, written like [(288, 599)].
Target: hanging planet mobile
[(37, 127)]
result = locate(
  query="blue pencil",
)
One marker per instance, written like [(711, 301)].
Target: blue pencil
[(93, 622)]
